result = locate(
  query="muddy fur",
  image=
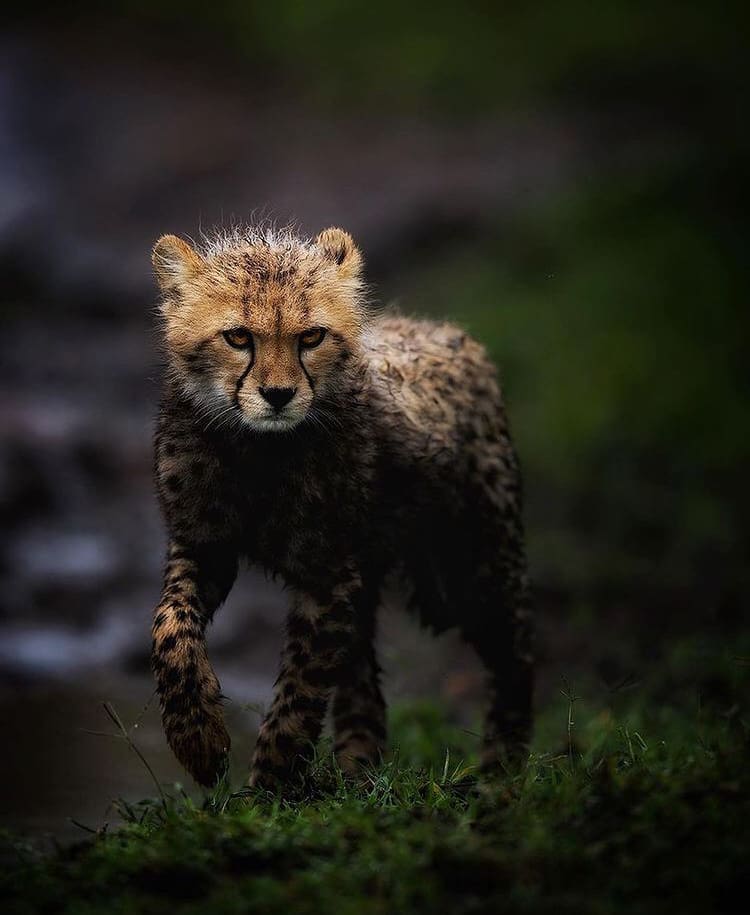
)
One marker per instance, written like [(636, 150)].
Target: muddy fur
[(333, 448)]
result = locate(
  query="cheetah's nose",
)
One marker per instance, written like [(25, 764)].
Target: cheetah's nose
[(277, 397)]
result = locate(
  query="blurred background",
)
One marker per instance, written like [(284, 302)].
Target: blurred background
[(567, 180)]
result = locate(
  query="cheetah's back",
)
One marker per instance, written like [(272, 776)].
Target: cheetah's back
[(449, 487)]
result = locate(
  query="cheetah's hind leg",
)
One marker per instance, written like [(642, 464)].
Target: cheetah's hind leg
[(501, 633)]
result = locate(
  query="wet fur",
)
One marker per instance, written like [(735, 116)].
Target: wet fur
[(393, 456)]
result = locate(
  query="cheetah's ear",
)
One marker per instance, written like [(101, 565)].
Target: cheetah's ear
[(338, 246), (174, 262)]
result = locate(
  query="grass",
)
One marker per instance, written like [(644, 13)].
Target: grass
[(629, 802)]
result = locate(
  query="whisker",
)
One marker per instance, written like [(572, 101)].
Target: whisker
[(217, 416)]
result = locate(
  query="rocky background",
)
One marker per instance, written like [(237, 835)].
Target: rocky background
[(570, 189)]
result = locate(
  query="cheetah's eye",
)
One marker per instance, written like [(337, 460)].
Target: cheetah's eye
[(309, 339), (239, 337)]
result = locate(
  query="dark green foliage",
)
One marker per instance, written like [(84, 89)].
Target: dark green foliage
[(617, 314), (457, 58)]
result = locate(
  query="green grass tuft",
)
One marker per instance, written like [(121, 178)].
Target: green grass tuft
[(629, 802)]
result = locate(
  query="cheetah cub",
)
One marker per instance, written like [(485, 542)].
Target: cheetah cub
[(333, 449)]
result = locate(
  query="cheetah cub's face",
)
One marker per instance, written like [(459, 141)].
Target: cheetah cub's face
[(260, 327)]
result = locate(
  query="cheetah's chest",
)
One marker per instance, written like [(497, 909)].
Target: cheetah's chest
[(297, 515)]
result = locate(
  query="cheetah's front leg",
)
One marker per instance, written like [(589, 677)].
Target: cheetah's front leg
[(196, 581), (317, 650), (359, 714)]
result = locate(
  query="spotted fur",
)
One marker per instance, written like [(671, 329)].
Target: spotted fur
[(390, 455)]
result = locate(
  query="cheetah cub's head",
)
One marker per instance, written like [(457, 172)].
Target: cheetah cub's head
[(261, 327)]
